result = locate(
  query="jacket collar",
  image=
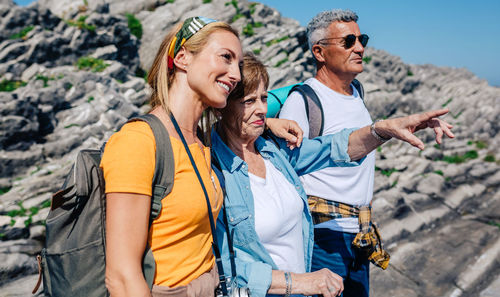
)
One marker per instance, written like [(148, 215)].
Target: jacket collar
[(229, 159)]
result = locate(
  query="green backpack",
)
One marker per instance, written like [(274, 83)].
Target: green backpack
[(314, 111), (73, 261)]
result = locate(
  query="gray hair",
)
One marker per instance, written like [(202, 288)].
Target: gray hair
[(317, 27)]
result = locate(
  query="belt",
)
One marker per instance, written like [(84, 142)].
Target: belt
[(368, 240)]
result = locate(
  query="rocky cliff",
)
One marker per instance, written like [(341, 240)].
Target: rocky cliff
[(71, 72)]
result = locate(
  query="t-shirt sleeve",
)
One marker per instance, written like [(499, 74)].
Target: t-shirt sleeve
[(128, 161), (294, 109)]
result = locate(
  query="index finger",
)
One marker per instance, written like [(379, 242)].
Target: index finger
[(435, 113)]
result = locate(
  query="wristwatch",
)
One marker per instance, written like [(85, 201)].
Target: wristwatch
[(376, 135)]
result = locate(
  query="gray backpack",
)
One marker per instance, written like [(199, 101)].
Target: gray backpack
[(73, 261)]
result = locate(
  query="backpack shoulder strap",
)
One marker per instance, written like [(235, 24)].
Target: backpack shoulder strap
[(357, 84), (163, 179), (314, 109)]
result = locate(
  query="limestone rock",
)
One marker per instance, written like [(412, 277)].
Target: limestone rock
[(438, 210)]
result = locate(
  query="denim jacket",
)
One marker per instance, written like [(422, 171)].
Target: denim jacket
[(253, 263)]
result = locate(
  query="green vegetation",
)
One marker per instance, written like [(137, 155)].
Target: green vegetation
[(281, 62), (387, 172), (169, 1), (80, 23), (481, 144), (409, 73), (17, 212), (46, 203), (257, 51), (394, 184), (134, 25), (238, 14), (248, 29), (489, 158), (38, 168), (457, 159), (206, 1), (90, 99), (251, 7), (455, 116), (447, 102), (67, 85), (439, 172), (492, 223), (11, 85), (93, 64), (71, 125), (379, 149), (274, 41), (367, 59), (45, 79), (437, 146), (22, 33), (4, 190)]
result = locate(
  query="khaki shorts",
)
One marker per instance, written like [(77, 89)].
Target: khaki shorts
[(203, 286)]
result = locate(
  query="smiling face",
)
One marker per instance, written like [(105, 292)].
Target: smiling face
[(335, 57), (246, 116), (214, 72)]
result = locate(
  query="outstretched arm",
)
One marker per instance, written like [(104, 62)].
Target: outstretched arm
[(362, 142)]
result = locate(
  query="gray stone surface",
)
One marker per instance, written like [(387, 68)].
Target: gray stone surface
[(439, 210)]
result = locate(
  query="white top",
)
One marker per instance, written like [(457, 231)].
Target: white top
[(350, 185), (278, 218)]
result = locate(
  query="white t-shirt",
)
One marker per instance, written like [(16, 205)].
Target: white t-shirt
[(350, 185), (278, 218)]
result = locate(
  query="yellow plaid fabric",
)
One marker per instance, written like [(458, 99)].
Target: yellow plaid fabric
[(367, 241)]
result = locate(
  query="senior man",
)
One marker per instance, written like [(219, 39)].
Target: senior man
[(337, 196)]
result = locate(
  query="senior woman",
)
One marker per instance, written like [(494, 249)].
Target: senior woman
[(267, 210)]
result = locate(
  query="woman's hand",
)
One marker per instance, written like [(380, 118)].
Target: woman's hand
[(286, 129), (404, 127), (321, 282)]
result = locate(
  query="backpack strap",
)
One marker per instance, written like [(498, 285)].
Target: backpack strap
[(313, 106), (314, 110), (163, 181), (357, 84)]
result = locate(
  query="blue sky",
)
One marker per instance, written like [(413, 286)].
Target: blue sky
[(457, 33)]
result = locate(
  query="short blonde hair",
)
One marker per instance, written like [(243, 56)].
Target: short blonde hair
[(160, 77)]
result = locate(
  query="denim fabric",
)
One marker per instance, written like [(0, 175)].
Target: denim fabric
[(253, 263), (333, 250)]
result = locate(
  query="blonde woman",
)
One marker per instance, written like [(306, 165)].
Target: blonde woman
[(196, 67)]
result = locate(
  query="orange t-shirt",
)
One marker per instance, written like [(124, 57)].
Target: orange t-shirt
[(180, 237)]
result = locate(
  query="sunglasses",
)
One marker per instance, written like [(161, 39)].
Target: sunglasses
[(349, 40)]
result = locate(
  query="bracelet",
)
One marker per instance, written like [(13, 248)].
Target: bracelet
[(288, 280), (376, 135)]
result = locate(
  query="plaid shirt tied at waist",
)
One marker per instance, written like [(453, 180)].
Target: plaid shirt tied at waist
[(367, 241)]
